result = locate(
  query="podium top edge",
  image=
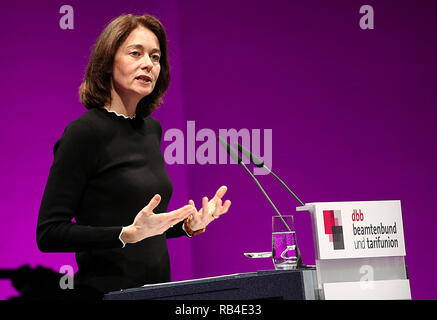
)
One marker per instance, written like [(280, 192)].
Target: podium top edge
[(313, 204)]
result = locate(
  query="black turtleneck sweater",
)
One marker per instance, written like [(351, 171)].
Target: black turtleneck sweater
[(106, 168)]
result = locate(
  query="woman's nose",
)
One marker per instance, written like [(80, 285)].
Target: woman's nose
[(147, 63)]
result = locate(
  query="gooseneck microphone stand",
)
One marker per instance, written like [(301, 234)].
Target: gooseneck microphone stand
[(236, 157)]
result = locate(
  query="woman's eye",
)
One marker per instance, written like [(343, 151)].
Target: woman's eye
[(155, 57), (135, 53)]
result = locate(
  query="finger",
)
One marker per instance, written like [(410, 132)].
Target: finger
[(185, 211), (181, 213), (222, 209), (225, 207), (169, 219), (220, 192), (205, 203), (217, 210), (191, 203), (205, 207), (196, 214), (153, 203)]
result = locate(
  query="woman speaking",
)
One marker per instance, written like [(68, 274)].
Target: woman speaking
[(107, 192)]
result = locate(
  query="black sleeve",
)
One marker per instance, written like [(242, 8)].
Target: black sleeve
[(176, 231), (75, 158)]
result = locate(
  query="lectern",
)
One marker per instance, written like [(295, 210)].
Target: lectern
[(269, 284), (359, 249), (360, 252)]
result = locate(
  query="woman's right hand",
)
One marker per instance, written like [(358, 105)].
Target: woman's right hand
[(148, 224)]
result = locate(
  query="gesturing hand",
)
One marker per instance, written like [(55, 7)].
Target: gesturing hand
[(210, 210), (147, 223)]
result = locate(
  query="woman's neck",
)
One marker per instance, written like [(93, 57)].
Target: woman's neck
[(125, 105)]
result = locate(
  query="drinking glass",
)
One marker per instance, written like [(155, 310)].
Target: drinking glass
[(284, 242)]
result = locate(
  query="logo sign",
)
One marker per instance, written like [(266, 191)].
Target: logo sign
[(334, 228), (357, 229)]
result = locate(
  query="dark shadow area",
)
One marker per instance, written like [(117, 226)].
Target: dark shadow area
[(41, 283)]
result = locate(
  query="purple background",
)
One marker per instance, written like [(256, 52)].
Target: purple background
[(352, 113)]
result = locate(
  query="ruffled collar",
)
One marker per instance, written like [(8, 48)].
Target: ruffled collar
[(120, 115)]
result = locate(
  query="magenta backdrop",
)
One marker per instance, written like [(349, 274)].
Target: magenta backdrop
[(352, 114)]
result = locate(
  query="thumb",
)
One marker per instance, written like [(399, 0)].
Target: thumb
[(153, 203)]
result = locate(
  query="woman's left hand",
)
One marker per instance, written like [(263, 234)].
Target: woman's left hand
[(210, 211)]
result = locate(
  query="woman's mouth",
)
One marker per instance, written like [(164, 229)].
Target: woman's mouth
[(144, 80)]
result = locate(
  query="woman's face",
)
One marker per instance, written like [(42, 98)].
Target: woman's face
[(136, 64)]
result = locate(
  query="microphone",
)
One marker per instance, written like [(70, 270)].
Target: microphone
[(232, 153), (236, 157), (260, 164)]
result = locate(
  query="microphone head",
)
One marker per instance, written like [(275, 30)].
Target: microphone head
[(249, 155), (232, 153)]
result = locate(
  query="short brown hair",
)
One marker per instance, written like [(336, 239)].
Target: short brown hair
[(95, 90)]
